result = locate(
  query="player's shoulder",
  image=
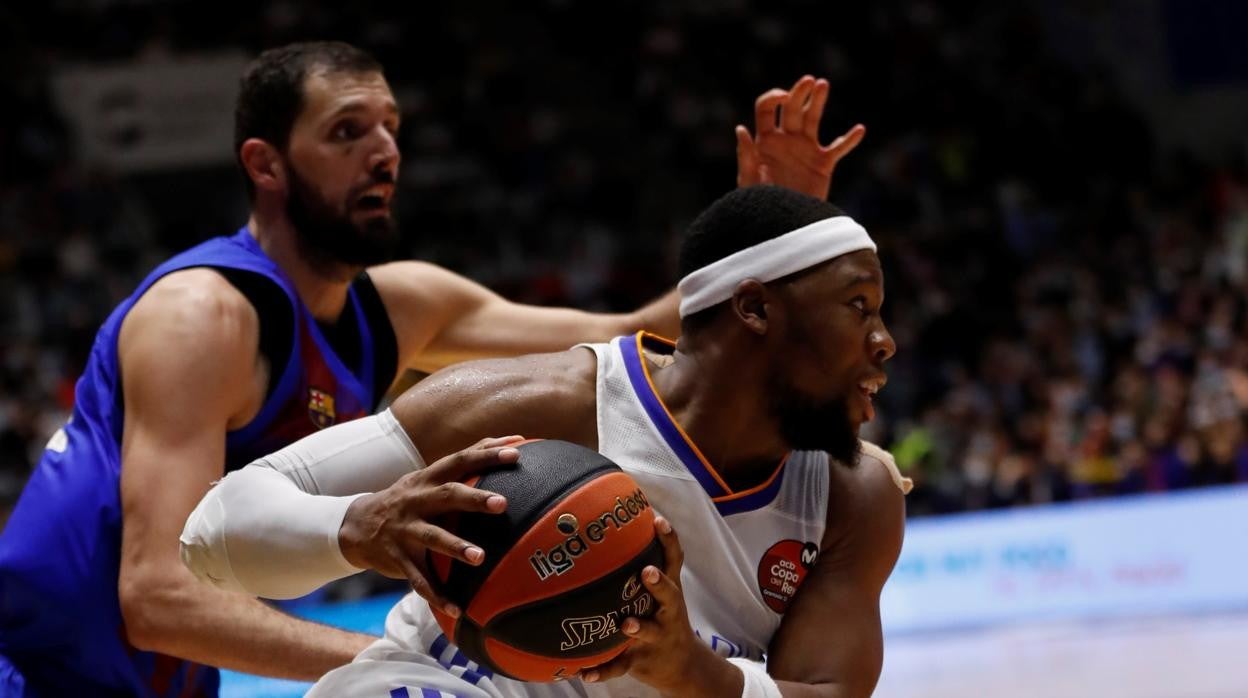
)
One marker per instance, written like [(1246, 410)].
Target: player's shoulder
[(879, 470), (870, 488), (195, 332), (193, 309), (200, 292)]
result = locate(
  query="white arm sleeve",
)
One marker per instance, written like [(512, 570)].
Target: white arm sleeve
[(271, 528)]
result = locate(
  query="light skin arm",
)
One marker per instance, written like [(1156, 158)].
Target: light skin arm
[(829, 644), (441, 318), (188, 353)]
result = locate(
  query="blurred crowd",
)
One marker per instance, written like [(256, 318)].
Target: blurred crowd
[(1068, 297)]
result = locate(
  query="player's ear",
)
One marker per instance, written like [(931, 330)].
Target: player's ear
[(264, 165), (749, 305)]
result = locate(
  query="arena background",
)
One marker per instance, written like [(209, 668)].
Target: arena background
[(1059, 189)]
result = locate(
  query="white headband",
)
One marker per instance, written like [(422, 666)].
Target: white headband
[(769, 260)]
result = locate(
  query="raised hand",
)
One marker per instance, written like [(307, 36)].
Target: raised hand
[(389, 531), (785, 149)]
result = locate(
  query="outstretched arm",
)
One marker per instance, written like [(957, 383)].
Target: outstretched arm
[(441, 318)]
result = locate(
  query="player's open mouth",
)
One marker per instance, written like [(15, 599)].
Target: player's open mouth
[(371, 202), (866, 393), (376, 198)]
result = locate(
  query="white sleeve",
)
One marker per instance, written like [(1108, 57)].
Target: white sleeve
[(271, 528)]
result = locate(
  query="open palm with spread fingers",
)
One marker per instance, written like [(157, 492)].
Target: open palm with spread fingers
[(785, 149)]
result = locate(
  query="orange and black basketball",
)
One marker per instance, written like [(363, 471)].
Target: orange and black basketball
[(562, 567)]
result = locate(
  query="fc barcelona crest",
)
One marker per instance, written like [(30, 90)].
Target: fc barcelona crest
[(321, 408)]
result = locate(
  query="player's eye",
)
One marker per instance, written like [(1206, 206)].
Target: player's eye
[(859, 303), (345, 131)]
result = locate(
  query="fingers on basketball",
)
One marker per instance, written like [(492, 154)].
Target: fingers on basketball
[(673, 553), (420, 583), (474, 460), (458, 496), (609, 670)]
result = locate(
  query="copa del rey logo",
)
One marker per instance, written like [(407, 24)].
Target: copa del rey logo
[(782, 570)]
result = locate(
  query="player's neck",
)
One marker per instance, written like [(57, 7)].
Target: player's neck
[(714, 403), (322, 290)]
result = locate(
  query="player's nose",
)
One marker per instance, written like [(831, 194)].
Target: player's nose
[(385, 153), (881, 344)]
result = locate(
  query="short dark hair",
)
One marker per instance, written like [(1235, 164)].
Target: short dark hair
[(743, 218), (270, 93)]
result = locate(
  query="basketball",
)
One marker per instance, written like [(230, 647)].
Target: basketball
[(562, 565)]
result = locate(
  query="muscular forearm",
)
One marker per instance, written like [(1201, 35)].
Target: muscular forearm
[(233, 631)]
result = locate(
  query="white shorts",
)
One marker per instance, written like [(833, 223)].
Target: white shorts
[(416, 660)]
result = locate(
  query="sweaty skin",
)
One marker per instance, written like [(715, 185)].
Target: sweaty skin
[(554, 396)]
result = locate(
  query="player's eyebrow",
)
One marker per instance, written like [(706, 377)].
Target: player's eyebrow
[(862, 277), (359, 105)]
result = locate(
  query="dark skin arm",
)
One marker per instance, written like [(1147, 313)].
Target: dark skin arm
[(450, 410), (389, 531), (829, 644)]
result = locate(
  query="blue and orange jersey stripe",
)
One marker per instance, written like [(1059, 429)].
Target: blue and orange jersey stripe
[(726, 500)]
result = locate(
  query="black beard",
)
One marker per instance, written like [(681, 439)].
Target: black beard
[(810, 425), (327, 238)]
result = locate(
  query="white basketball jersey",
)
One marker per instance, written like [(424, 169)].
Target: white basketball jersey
[(746, 553)]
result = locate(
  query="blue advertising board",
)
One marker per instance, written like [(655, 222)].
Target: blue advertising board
[(1146, 555)]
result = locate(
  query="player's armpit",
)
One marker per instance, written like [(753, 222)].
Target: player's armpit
[(830, 642)]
